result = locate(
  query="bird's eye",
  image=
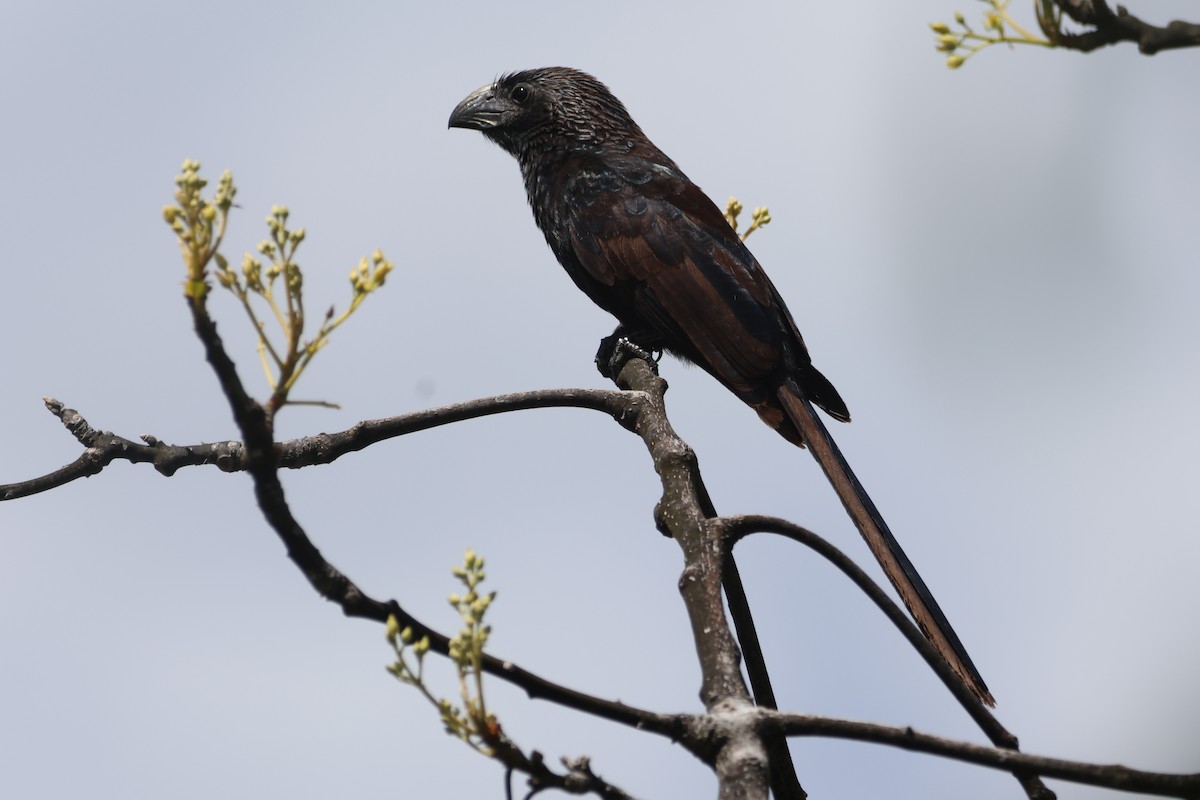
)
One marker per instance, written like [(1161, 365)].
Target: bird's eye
[(520, 93)]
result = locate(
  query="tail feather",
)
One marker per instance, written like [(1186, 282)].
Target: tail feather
[(819, 390), (883, 544)]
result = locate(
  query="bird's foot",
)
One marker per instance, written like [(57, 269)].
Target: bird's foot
[(617, 350)]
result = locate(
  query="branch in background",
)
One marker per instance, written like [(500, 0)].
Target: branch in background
[(1106, 27), (1109, 27)]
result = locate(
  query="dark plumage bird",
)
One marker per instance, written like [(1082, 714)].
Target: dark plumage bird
[(646, 245)]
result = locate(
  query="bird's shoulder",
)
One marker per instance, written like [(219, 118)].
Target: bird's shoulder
[(638, 217), (637, 185)]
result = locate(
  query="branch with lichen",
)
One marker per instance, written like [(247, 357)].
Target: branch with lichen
[(199, 225), (758, 217), (999, 27)]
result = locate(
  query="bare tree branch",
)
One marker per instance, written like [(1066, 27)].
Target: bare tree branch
[(737, 528), (333, 585), (785, 784), (731, 735), (738, 751), (1109, 27), (1114, 776), (104, 447)]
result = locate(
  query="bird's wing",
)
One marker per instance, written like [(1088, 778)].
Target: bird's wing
[(671, 259)]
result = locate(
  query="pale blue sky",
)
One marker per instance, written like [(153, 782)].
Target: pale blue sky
[(997, 267)]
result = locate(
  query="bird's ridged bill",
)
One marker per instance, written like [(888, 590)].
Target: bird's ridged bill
[(479, 110)]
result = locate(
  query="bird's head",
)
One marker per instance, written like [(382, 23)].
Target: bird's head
[(549, 108)]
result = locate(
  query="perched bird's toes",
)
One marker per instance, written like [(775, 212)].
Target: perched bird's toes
[(616, 351)]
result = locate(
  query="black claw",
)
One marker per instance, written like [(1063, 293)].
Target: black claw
[(616, 351)]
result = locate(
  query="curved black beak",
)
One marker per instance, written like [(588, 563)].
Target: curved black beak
[(480, 110)]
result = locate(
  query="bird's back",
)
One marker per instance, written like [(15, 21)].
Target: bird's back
[(648, 246)]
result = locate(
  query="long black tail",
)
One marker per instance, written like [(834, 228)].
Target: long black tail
[(883, 544)]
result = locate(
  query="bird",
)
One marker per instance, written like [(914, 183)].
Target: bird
[(645, 243)]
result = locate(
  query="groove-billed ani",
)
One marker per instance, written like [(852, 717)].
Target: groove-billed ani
[(650, 248)]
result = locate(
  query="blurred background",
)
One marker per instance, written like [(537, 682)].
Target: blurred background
[(997, 267)]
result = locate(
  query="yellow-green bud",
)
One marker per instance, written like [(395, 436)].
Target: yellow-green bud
[(939, 27), (209, 212), (393, 627), (954, 62)]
